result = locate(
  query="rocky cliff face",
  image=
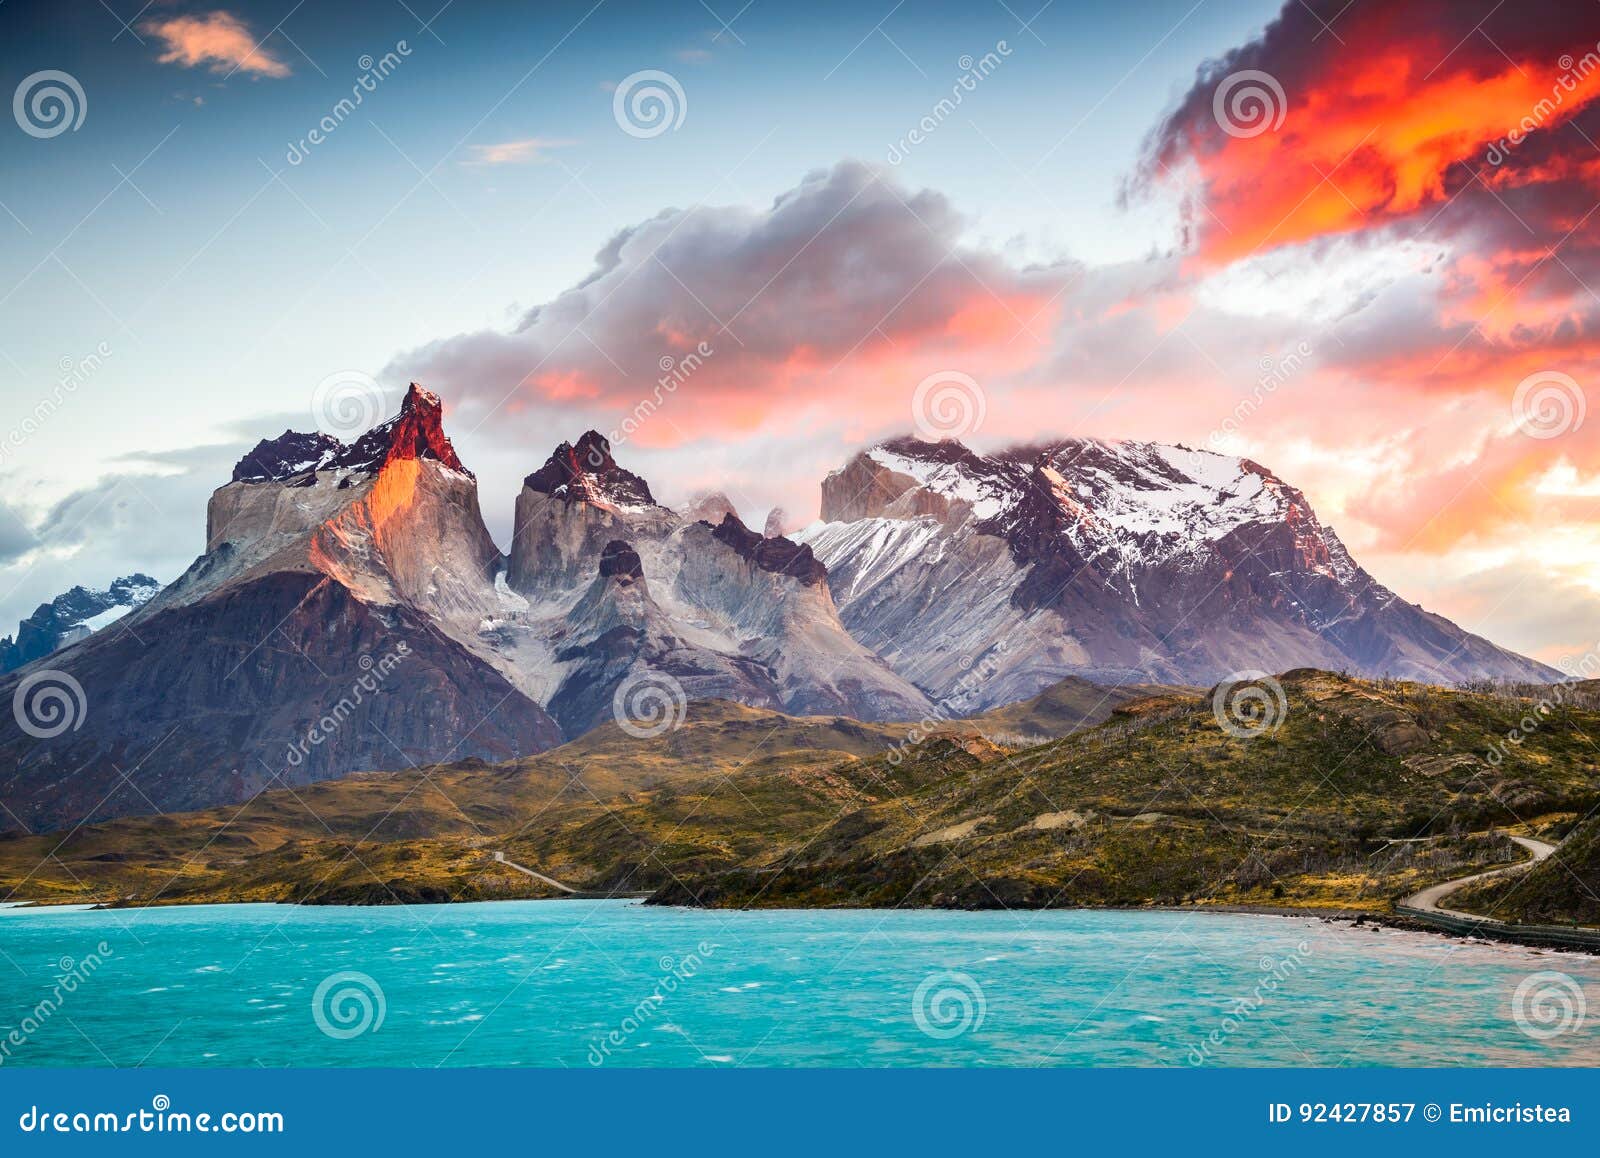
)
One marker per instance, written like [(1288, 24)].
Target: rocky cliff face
[(327, 629), (619, 587), (1117, 562)]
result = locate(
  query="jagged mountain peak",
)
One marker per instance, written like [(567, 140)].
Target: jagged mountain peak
[(777, 554), (416, 432), (290, 454), (585, 471), (1115, 560), (74, 615)]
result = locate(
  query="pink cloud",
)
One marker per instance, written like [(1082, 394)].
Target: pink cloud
[(219, 41), (519, 152)]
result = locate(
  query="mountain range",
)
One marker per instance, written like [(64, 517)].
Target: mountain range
[(351, 610), (74, 615)]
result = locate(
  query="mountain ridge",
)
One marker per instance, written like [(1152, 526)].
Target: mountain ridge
[(940, 582)]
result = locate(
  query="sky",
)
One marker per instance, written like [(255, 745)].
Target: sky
[(1351, 240)]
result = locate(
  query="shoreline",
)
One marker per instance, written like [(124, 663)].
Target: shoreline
[(1357, 918)]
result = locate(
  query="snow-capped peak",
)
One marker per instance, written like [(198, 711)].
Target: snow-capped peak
[(1141, 503)]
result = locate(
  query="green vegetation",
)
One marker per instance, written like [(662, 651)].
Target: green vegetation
[(1365, 792)]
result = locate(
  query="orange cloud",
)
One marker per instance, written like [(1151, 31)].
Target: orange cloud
[(219, 41)]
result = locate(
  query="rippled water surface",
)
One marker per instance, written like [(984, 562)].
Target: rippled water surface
[(581, 983)]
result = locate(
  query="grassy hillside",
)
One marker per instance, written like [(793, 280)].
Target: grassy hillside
[(284, 843), (1364, 792), (1061, 709)]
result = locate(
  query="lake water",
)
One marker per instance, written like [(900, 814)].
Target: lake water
[(581, 983)]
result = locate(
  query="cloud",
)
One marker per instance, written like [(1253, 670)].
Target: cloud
[(518, 152), (832, 303), (1457, 134), (220, 41), (148, 515)]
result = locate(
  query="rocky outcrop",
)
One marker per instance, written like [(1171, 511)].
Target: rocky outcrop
[(619, 586), (324, 563)]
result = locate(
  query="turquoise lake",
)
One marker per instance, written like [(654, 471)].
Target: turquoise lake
[(584, 983)]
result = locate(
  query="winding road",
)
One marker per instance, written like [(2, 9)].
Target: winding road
[(1427, 901), (551, 881)]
